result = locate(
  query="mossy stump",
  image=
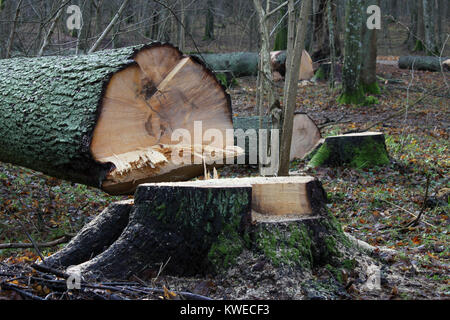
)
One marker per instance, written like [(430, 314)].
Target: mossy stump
[(202, 227), (358, 150)]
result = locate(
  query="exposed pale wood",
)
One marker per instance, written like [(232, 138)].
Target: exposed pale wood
[(276, 196), (278, 60), (305, 136), (280, 199), (142, 107)]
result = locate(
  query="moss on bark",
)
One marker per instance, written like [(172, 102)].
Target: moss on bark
[(355, 97), (352, 150), (49, 108)]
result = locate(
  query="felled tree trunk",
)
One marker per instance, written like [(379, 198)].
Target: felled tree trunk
[(106, 119), (423, 63), (201, 227), (243, 64), (305, 135), (358, 150)]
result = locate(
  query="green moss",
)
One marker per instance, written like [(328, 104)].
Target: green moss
[(419, 46), (370, 100), (293, 247), (370, 153), (320, 74), (372, 88), (356, 98), (367, 154), (321, 156), (225, 81), (226, 249)]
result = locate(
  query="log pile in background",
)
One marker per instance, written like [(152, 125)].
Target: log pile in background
[(243, 64)]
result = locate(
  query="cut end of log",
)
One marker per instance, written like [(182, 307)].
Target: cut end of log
[(159, 95)]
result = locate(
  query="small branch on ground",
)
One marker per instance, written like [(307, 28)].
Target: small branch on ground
[(49, 244), (417, 220)]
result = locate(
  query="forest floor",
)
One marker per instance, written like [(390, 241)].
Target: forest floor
[(371, 204)]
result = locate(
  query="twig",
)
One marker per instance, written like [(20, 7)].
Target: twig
[(407, 211), (56, 272), (13, 287), (31, 240), (416, 220), (109, 27), (30, 245)]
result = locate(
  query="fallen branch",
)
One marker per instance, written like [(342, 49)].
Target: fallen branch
[(417, 219), (407, 211), (49, 244)]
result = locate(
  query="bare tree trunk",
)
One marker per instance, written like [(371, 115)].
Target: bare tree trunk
[(98, 17), (51, 29), (209, 24), (181, 27), (430, 39), (265, 83), (13, 30), (290, 90), (420, 27), (330, 4), (369, 56), (109, 27), (352, 92)]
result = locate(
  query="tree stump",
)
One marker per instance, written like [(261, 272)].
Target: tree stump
[(202, 227), (358, 150)]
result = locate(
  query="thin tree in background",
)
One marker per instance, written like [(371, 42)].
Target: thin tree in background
[(209, 23), (352, 91), (13, 30), (264, 80), (419, 46), (281, 37), (109, 27), (430, 39), (49, 34), (291, 87), (369, 56), (330, 4), (181, 27)]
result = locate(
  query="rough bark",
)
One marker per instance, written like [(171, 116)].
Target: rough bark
[(424, 63), (58, 113), (184, 224), (369, 57), (352, 92), (430, 36), (243, 64), (202, 227), (95, 236), (358, 150), (290, 89)]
